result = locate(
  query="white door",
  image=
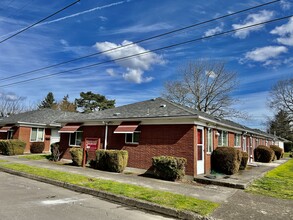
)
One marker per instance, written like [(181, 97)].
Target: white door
[(200, 150), (55, 136)]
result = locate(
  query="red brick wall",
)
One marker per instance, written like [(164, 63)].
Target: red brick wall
[(88, 132), (23, 134), (3, 135), (157, 140)]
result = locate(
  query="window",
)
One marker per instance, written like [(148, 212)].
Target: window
[(37, 134), (210, 140), (223, 138), (132, 138), (237, 140), (75, 138), (10, 134)]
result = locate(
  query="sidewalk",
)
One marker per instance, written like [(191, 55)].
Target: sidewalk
[(243, 178)]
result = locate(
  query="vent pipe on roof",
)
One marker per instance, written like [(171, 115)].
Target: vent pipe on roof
[(116, 114), (163, 106)]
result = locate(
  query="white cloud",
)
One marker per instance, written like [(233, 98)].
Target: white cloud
[(135, 66), (102, 18), (265, 54), (211, 74), (141, 28), (252, 19), (111, 72), (285, 5), (214, 30), (285, 32)]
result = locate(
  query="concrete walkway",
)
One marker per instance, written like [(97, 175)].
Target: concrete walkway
[(243, 178)]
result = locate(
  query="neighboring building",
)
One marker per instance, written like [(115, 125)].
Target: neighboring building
[(158, 127), (33, 126)]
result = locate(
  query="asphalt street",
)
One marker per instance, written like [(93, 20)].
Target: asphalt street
[(22, 199)]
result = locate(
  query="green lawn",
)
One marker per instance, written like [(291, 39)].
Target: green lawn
[(35, 157), (276, 183), (179, 202), (3, 161)]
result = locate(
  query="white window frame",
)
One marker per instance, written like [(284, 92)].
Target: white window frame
[(132, 137), (37, 138), (210, 145), (75, 133), (221, 137), (237, 140), (10, 134)]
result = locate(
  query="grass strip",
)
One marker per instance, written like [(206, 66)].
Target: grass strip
[(276, 183), (172, 200), (35, 157), (3, 161)]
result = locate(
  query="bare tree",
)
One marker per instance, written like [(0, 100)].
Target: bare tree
[(281, 96), (205, 86), (11, 104)]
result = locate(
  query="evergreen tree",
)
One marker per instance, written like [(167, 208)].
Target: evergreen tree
[(48, 102), (90, 102), (281, 125), (66, 105)]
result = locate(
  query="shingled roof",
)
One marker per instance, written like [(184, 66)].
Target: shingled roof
[(42, 116)]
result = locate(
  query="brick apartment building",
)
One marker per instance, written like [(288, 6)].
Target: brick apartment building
[(158, 127)]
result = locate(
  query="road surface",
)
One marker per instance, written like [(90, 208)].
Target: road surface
[(22, 199)]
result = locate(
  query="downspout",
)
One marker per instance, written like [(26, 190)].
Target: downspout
[(106, 136)]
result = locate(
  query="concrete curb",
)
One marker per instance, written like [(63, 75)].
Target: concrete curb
[(113, 197), (221, 183)]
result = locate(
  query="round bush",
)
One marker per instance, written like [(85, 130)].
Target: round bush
[(226, 160), (37, 147), (76, 155), (263, 154), (278, 151)]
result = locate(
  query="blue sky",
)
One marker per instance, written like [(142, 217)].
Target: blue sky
[(261, 55)]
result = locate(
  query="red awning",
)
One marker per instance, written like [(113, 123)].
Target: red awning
[(69, 128), (5, 128), (127, 127)]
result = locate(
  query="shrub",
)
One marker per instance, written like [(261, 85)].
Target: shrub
[(244, 161), (263, 154), (278, 151), (288, 146), (111, 160), (55, 154), (226, 160), (12, 147), (37, 147), (76, 155), (169, 168)]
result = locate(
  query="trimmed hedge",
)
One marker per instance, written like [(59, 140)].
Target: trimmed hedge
[(226, 160), (288, 146), (37, 147), (76, 155), (278, 151), (264, 154), (169, 168), (12, 147), (244, 160), (111, 160)]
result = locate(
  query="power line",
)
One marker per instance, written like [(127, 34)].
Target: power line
[(149, 51), (38, 22), (139, 41)]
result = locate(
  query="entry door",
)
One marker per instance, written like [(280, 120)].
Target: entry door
[(200, 151), (55, 136)]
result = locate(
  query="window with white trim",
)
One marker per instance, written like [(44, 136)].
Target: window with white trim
[(210, 141), (10, 134), (237, 140), (37, 134), (75, 138), (132, 138), (223, 138)]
